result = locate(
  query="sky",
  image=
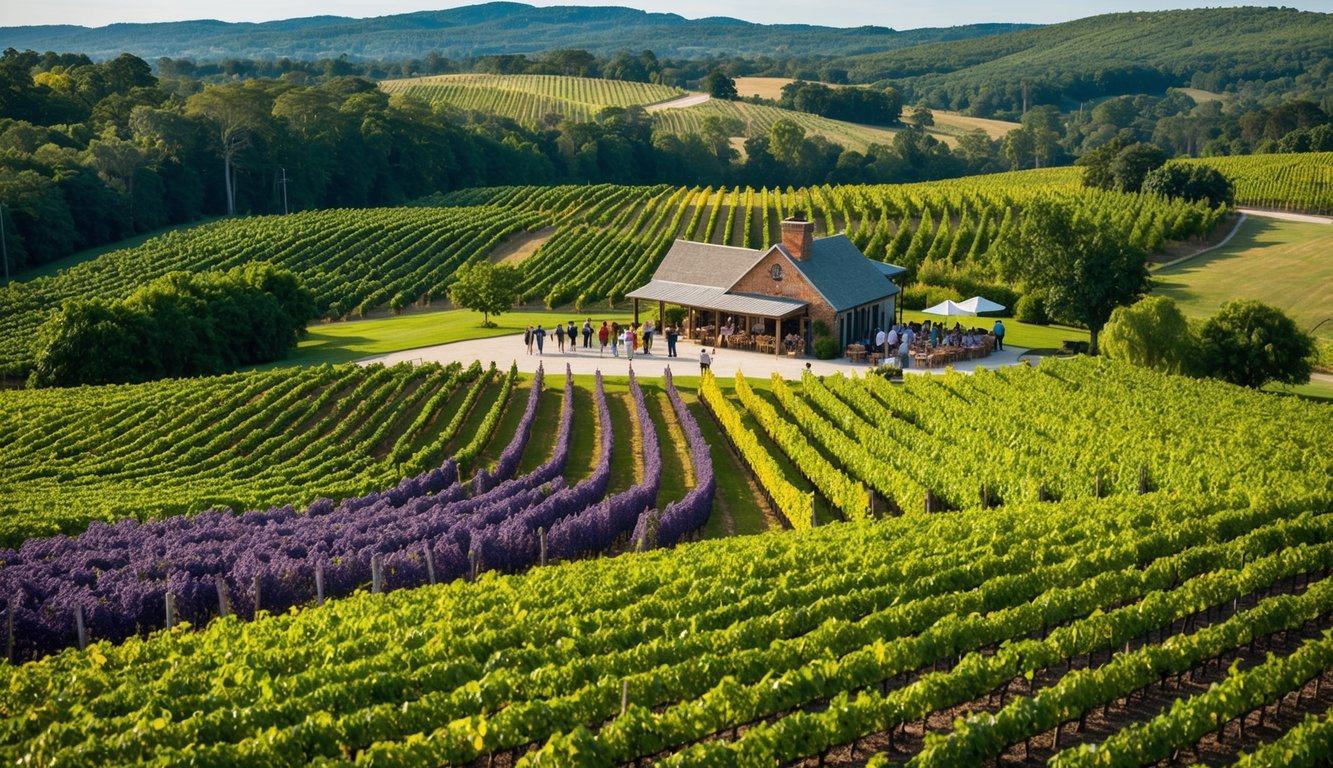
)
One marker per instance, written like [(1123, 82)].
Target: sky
[(898, 14)]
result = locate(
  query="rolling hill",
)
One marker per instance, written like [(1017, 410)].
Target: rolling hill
[(489, 28), (530, 98), (1212, 49)]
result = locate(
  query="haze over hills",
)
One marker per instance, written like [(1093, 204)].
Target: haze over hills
[(490, 28)]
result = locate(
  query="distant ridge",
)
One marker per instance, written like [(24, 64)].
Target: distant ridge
[(476, 30)]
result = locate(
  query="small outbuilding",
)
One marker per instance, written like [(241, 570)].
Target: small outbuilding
[(770, 299)]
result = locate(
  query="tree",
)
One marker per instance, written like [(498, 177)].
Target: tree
[(1250, 343), (1083, 262), (1192, 182), (719, 86), (1151, 334), (490, 289), (785, 138), (1133, 163), (237, 113), (922, 117)]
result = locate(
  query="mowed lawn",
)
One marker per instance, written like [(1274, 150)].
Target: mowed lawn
[(1283, 263), (344, 342)]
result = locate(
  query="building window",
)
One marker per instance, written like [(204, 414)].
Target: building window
[(776, 271)]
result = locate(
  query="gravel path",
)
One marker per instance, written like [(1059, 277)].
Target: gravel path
[(690, 100)]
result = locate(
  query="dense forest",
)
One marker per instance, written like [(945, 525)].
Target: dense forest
[(1258, 54)]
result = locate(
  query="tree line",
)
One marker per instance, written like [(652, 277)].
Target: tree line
[(182, 324)]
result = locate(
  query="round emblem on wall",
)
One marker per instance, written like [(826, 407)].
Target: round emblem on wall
[(776, 271)]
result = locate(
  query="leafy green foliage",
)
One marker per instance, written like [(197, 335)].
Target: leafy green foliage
[(182, 324), (1151, 333), (1084, 269), (1120, 166), (1191, 182), (1250, 343), (718, 85), (486, 288)]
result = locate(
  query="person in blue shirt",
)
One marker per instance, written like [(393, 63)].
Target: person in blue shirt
[(999, 334)]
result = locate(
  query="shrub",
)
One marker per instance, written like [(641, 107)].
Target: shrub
[(820, 328), (1031, 308), (1250, 343), (1151, 333), (826, 348)]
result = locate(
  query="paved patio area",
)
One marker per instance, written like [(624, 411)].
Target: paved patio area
[(504, 350)]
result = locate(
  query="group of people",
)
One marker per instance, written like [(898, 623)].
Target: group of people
[(898, 340), (633, 336)]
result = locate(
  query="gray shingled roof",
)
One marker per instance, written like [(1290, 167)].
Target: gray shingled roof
[(718, 266), (890, 270), (709, 297), (843, 275)]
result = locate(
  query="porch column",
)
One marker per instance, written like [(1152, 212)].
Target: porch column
[(636, 311)]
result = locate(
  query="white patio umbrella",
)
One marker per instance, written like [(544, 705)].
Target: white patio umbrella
[(977, 304), (946, 307)]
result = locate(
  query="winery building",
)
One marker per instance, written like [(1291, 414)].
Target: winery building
[(778, 293)]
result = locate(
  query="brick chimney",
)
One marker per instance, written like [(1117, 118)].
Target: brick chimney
[(798, 235)]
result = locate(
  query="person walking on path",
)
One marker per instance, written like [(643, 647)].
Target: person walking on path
[(999, 335), (648, 337), (671, 335), (629, 342), (527, 338), (705, 361), (573, 334), (601, 336), (615, 339), (540, 336), (587, 333), (560, 337)]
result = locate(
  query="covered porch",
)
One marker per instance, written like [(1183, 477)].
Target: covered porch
[(768, 324)]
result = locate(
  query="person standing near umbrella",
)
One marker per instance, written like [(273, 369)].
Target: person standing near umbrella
[(999, 334)]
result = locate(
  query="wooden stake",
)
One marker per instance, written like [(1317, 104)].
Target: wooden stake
[(472, 559), (624, 696), (376, 575), (171, 610), (319, 582), (83, 631), (224, 606), (814, 521), (541, 539), (9, 630), (1143, 478), (430, 564), (256, 591)]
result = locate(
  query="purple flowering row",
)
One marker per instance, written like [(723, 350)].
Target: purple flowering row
[(596, 528), (513, 453), (119, 574), (691, 512)]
